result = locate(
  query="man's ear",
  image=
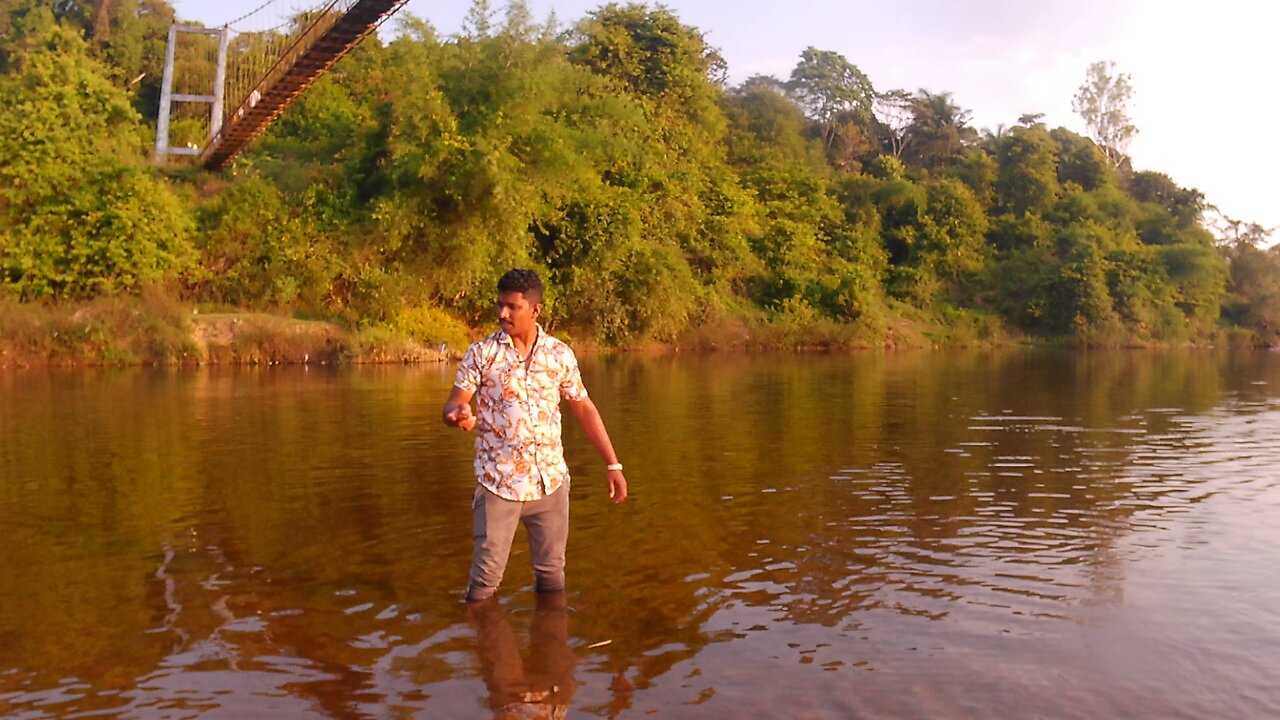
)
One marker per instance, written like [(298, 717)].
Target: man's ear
[(537, 310)]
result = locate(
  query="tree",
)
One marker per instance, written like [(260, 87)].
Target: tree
[(827, 85), (1027, 180), (1230, 232), (765, 126), (1185, 204), (1198, 275), (954, 234), (939, 129), (1079, 301), (1167, 213), (650, 52), (975, 168), (130, 36), (613, 158), (852, 142), (894, 113), (766, 82), (79, 216), (1079, 160), (1254, 301), (478, 24), (93, 15), (1103, 102)]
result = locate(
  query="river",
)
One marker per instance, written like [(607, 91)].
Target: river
[(950, 534)]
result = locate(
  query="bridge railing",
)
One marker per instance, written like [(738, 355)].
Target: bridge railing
[(333, 31), (324, 21)]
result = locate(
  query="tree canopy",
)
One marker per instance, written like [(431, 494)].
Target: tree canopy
[(661, 203), (1103, 103)]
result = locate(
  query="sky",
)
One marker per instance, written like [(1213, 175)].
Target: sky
[(1199, 70)]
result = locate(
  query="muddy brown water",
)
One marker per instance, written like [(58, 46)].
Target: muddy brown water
[(960, 534)]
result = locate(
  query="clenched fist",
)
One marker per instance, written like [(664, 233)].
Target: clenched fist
[(460, 417)]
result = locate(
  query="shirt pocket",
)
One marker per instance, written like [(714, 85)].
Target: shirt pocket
[(544, 390)]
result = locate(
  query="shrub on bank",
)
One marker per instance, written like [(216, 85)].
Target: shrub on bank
[(79, 214), (432, 327), (147, 330)]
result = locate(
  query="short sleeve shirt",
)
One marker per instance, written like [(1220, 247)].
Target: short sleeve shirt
[(519, 454)]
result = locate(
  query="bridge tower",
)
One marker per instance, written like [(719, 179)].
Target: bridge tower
[(168, 97)]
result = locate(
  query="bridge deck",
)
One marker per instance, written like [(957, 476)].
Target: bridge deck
[(321, 45)]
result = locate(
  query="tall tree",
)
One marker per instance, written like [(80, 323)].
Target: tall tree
[(1103, 102), (827, 86), (767, 127), (939, 129), (650, 52), (478, 23), (894, 114)]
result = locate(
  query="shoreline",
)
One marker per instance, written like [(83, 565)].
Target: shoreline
[(129, 335)]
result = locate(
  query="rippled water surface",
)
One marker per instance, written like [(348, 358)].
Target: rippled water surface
[(946, 535)]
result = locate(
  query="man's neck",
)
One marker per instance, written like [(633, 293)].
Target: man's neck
[(524, 341)]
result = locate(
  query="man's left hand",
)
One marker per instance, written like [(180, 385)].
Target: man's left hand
[(617, 486)]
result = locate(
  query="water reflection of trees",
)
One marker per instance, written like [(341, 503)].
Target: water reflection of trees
[(198, 522), (309, 530), (981, 487)]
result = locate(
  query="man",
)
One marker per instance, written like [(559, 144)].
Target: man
[(518, 376)]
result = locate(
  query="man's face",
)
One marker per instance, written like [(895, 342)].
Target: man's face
[(515, 314)]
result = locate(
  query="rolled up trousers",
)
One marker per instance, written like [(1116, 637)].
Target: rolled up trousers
[(494, 521)]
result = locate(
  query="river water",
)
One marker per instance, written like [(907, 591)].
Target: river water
[(1024, 533)]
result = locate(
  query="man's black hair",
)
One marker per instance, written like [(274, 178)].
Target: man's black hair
[(522, 281)]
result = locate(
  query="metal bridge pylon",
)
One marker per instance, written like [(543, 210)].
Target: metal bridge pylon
[(341, 26)]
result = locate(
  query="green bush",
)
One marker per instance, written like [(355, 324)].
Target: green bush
[(258, 251), (431, 326), (79, 214)]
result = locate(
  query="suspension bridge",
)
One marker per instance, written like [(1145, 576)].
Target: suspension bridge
[(261, 62)]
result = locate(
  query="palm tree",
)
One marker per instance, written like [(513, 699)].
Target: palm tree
[(939, 129)]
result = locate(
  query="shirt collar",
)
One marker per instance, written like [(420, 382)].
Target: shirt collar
[(505, 339)]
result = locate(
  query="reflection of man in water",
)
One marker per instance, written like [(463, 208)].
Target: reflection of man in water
[(540, 687), (518, 377)]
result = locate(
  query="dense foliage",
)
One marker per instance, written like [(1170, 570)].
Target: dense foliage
[(80, 215), (660, 203)]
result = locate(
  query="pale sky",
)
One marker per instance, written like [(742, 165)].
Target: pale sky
[(1193, 65)]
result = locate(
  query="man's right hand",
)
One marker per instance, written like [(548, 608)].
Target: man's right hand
[(460, 416), (457, 410), (467, 421)]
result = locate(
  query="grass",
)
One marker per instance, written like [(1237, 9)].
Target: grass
[(154, 329), (150, 329)]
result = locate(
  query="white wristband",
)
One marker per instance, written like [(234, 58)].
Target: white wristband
[(613, 466)]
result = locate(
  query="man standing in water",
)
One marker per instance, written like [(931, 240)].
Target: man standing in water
[(518, 376)]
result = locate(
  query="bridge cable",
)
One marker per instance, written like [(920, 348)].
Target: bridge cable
[(253, 12)]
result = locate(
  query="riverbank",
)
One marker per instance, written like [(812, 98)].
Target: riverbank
[(156, 330)]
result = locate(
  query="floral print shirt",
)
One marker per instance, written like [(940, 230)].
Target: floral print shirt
[(519, 455)]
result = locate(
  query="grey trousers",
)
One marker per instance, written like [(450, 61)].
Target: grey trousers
[(493, 523)]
